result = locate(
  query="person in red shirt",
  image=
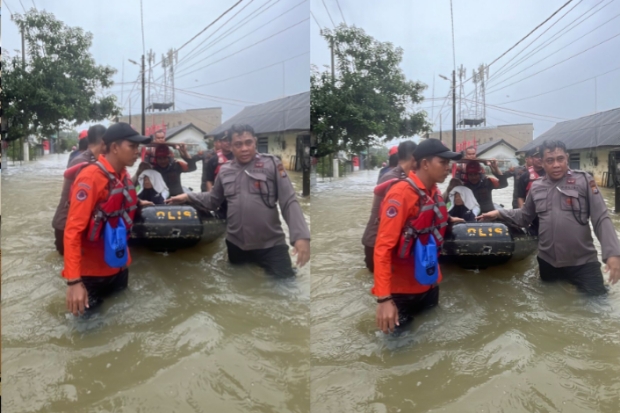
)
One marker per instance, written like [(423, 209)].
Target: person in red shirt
[(101, 194), (412, 213)]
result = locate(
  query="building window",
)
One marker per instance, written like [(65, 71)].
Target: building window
[(574, 161), (263, 145)]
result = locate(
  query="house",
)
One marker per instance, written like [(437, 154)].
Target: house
[(282, 127), (501, 150), (188, 133), (593, 143), (204, 118), (516, 135)]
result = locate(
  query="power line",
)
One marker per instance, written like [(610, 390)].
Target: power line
[(498, 72), (560, 88), (453, 50), (252, 71), (330, 16), (552, 39), (237, 40), (142, 24), (562, 61), (342, 14), (560, 49), (35, 6), (8, 8), (524, 116), (20, 2), (315, 20), (527, 35), (190, 54), (245, 48)]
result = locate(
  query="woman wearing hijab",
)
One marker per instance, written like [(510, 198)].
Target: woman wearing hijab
[(463, 204), (151, 187)]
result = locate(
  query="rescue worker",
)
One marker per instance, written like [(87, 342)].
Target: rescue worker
[(82, 146), (102, 197), (516, 173), (535, 171), (171, 169), (482, 186), (392, 162), (205, 159), (223, 155), (148, 154), (94, 149), (253, 184), (406, 163), (413, 215), (565, 200)]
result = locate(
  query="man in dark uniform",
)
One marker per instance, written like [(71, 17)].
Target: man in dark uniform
[(482, 186), (534, 171), (254, 184), (406, 163), (223, 155), (566, 201), (94, 138), (517, 173)]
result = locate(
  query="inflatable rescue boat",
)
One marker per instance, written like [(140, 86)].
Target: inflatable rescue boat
[(173, 227), (481, 245)]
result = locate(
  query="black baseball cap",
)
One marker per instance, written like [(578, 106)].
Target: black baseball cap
[(434, 147), (123, 131), (534, 152), (221, 136)]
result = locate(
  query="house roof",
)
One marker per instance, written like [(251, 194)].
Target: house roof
[(480, 149), (280, 115), (170, 133), (593, 131)]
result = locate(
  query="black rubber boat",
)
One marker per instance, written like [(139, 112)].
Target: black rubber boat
[(171, 227), (481, 245)]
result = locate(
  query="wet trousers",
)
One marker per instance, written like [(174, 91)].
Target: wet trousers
[(100, 287), (59, 242), (588, 277), (410, 305), (369, 259), (275, 260)]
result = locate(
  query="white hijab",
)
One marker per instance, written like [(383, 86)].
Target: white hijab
[(469, 200), (156, 180)]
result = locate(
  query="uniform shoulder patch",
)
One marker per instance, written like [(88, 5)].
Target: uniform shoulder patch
[(391, 212), (81, 195)]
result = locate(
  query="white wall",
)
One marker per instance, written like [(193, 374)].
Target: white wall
[(275, 144), (501, 152), (587, 162)]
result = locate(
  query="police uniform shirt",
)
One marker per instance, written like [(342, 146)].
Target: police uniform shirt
[(249, 190), (560, 206)]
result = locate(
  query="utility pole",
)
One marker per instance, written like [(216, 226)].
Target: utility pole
[(143, 94), (21, 139), (454, 110), (333, 68)]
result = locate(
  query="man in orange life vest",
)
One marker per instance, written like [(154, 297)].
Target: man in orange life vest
[(413, 217), (102, 194)]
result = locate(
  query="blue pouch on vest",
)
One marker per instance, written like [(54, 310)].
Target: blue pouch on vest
[(425, 257), (115, 241)]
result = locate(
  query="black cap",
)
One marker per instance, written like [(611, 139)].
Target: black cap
[(434, 147), (124, 131), (221, 136), (535, 151)]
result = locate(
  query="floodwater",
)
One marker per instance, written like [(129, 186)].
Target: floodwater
[(191, 334), (499, 341)]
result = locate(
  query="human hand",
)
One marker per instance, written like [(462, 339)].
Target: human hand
[(455, 220), (177, 200), (77, 299), (613, 267), (144, 203), (489, 216), (302, 250), (182, 150), (387, 316)]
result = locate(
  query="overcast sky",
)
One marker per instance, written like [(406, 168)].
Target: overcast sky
[(116, 28), (483, 30)]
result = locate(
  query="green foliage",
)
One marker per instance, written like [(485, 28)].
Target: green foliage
[(59, 85), (370, 98)]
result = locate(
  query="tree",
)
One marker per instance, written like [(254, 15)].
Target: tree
[(59, 85), (369, 100)]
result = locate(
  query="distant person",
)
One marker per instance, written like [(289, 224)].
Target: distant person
[(406, 163), (566, 202), (458, 169), (82, 146), (517, 173), (392, 161), (482, 186), (151, 187), (463, 204), (148, 154), (534, 171), (94, 139), (223, 155)]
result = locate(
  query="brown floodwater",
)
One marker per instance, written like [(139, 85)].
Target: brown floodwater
[(499, 341), (191, 333)]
